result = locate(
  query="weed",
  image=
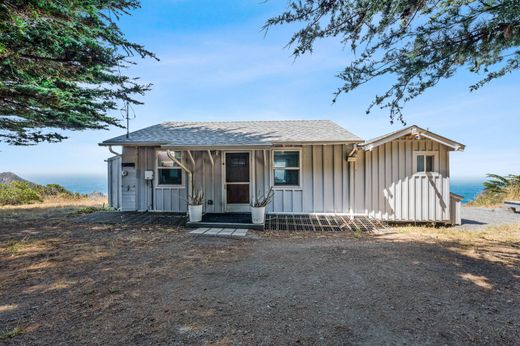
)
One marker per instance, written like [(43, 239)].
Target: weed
[(11, 333), (92, 209), (13, 246)]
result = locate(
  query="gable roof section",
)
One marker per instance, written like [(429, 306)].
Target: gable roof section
[(237, 133), (415, 131)]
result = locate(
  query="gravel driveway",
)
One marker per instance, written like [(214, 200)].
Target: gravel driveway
[(474, 217)]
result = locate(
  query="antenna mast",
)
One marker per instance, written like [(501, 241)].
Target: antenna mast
[(127, 116), (125, 112)]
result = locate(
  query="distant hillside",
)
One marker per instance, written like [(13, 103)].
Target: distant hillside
[(9, 177)]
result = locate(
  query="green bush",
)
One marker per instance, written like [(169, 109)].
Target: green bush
[(19, 192), (22, 192), (498, 189), (54, 190)]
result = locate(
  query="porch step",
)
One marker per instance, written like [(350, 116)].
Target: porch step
[(203, 224), (226, 232)]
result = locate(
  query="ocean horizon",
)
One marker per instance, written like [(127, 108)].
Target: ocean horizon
[(469, 188)]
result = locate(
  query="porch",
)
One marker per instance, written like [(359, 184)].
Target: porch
[(291, 222), (273, 222)]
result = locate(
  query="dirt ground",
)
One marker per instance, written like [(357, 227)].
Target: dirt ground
[(68, 283)]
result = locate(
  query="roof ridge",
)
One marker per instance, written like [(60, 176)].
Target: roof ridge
[(246, 121)]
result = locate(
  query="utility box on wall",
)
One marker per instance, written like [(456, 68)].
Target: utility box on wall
[(148, 175)]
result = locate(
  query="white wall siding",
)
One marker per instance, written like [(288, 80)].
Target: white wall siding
[(324, 183), (393, 191), (129, 180), (114, 182), (381, 183)]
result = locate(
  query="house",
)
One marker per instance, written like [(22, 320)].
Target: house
[(314, 166)]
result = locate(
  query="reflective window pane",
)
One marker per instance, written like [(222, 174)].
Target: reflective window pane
[(287, 159), (286, 177), (163, 160), (170, 176), (420, 163), (429, 163), (237, 167)]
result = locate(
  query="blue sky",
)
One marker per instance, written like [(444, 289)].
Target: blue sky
[(217, 64)]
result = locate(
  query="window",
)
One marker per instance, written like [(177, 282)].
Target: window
[(425, 162), (286, 165), (168, 172)]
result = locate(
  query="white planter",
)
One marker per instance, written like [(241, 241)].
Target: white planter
[(258, 215), (195, 213)]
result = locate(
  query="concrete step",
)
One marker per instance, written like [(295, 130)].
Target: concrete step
[(202, 224)]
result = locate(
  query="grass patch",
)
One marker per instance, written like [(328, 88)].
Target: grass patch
[(13, 247), (499, 243), (497, 190), (92, 209), (11, 333)]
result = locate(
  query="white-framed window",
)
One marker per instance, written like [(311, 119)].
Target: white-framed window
[(168, 172), (426, 162), (286, 168)]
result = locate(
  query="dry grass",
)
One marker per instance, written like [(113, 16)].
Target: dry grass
[(59, 202), (500, 244), (50, 208), (493, 200)]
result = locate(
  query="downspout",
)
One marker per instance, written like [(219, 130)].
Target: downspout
[(114, 152), (171, 155)]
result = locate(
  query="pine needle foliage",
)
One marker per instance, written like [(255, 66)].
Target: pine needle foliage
[(414, 43), (60, 67)]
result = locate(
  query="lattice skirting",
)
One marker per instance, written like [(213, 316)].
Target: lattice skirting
[(321, 223)]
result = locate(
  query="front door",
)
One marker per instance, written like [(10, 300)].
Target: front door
[(237, 189)]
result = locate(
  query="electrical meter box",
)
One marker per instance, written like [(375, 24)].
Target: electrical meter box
[(148, 175)]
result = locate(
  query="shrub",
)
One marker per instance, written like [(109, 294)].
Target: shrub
[(19, 192), (497, 190), (22, 192), (55, 190)]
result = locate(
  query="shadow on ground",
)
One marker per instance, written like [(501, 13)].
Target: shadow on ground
[(66, 282)]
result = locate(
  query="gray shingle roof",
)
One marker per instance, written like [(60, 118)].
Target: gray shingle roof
[(237, 133)]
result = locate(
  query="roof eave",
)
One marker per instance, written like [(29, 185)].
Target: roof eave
[(414, 130), (133, 143)]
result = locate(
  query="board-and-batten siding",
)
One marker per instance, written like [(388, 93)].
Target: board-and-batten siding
[(129, 180), (324, 183), (114, 181), (393, 191), (382, 182)]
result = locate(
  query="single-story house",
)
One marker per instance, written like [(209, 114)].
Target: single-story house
[(314, 166)]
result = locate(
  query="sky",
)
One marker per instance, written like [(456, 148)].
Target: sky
[(217, 64)]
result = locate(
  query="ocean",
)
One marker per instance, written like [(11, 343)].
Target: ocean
[(469, 188), (81, 183)]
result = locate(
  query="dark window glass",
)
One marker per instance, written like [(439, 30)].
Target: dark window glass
[(287, 159), (286, 177), (170, 176), (429, 163), (420, 163), (237, 167), (237, 193)]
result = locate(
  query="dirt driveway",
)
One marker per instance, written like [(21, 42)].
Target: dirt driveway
[(66, 283)]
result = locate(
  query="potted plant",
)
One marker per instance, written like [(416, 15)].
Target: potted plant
[(258, 206), (195, 201)]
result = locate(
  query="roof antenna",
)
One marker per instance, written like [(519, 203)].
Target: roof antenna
[(125, 112)]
